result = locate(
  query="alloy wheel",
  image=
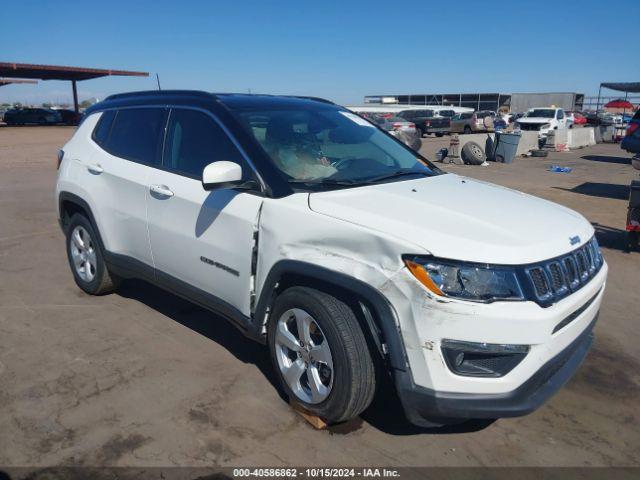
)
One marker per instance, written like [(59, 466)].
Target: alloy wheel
[(83, 253), (304, 356)]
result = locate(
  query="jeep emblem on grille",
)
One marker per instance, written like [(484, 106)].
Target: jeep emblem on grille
[(574, 240)]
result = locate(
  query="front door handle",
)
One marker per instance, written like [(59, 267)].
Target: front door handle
[(96, 169), (162, 190)]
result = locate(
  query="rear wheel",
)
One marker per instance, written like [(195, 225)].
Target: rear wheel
[(439, 134), (320, 354), (86, 258)]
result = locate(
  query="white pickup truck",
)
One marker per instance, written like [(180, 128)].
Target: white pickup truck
[(543, 120)]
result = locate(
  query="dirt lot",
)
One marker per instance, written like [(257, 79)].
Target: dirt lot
[(142, 378)]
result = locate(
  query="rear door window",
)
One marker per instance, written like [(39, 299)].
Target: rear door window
[(136, 135)]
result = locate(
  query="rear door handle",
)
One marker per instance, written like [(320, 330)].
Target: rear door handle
[(97, 169), (161, 190)]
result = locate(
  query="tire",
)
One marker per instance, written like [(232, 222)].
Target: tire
[(472, 154), (83, 249), (539, 153), (345, 383), (439, 134), (467, 129)]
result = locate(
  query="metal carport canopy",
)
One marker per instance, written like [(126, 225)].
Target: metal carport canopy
[(628, 87), (57, 72), (12, 81)]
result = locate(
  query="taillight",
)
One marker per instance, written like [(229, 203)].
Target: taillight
[(60, 157), (397, 126), (632, 128)]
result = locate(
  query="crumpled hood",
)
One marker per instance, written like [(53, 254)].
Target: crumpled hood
[(460, 218)]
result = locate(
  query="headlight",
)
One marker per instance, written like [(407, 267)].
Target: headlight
[(545, 126), (480, 283)]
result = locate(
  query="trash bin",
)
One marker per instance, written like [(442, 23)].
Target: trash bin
[(506, 146)]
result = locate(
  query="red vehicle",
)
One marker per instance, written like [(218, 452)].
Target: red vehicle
[(578, 118)]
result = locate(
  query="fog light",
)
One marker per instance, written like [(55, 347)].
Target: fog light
[(482, 359), (459, 359)]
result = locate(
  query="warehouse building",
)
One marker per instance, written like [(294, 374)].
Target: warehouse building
[(514, 102)]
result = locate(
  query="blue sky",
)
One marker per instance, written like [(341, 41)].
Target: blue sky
[(338, 50)]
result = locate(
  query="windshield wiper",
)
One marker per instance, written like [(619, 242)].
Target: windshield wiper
[(324, 181), (396, 174)]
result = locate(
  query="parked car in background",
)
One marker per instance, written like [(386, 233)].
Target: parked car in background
[(35, 116), (395, 123), (436, 121), (577, 118), (400, 128), (543, 120), (631, 140), (470, 122), (69, 117)]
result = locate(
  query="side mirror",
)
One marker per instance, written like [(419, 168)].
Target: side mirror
[(221, 174)]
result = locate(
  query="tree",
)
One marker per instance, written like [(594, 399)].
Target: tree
[(85, 104)]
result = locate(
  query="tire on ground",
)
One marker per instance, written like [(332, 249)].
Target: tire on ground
[(103, 281), (354, 379), (539, 153), (472, 154)]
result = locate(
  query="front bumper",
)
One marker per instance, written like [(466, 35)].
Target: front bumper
[(423, 405), (430, 389)]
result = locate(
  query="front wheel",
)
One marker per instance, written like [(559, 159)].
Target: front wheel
[(320, 354)]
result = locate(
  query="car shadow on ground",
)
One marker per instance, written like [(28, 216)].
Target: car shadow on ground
[(602, 190), (607, 159), (384, 414), (612, 238)]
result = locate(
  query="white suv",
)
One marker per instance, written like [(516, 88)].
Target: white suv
[(351, 256)]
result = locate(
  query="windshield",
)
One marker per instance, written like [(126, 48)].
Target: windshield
[(332, 147), (541, 113)]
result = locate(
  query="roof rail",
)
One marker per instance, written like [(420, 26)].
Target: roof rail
[(158, 93), (317, 99)]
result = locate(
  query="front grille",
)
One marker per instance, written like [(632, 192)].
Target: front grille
[(556, 278), (530, 126)]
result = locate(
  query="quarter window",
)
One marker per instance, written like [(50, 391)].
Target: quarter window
[(136, 134), (194, 140), (103, 127)]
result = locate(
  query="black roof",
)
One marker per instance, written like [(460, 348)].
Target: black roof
[(233, 101)]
